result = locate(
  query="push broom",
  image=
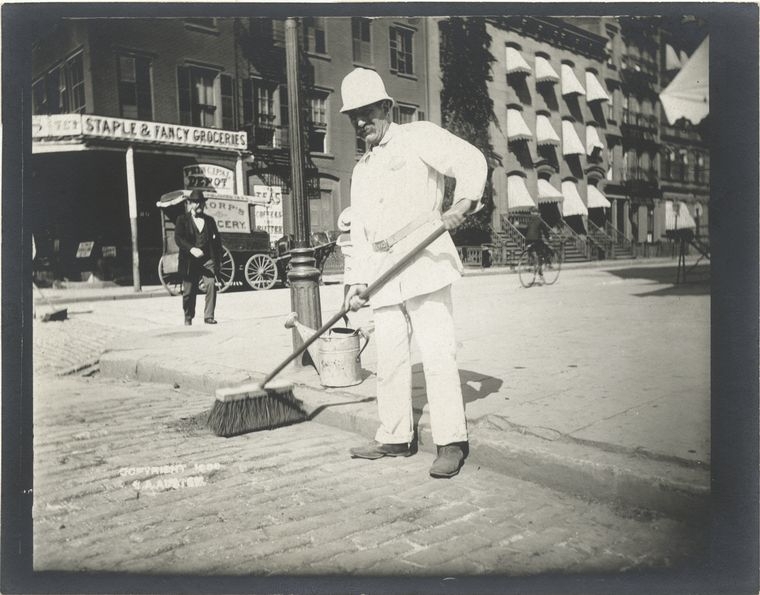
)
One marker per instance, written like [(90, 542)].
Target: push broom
[(263, 406)]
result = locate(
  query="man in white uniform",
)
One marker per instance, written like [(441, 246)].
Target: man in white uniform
[(396, 196)]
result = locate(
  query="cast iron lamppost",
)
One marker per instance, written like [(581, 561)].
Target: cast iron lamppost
[(303, 275)]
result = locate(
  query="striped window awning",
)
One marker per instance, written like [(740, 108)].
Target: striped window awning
[(515, 62), (545, 133), (594, 89), (572, 203), (544, 71), (672, 62), (596, 199), (570, 83), (571, 144), (593, 142), (518, 197), (517, 129), (547, 192), (677, 216)]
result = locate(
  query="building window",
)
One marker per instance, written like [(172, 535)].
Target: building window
[(39, 97), (611, 106), (669, 168), (75, 72), (699, 168), (362, 40), (683, 166), (314, 31), (401, 50), (403, 114), (61, 91), (205, 98), (260, 110), (318, 130), (135, 93)]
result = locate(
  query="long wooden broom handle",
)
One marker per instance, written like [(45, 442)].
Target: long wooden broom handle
[(371, 288)]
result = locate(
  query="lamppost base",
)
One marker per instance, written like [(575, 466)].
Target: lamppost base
[(304, 293)]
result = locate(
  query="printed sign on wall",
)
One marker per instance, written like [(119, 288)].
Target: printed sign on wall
[(208, 175), (269, 218), (230, 213)]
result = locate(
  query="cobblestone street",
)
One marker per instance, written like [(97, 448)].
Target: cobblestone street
[(128, 479)]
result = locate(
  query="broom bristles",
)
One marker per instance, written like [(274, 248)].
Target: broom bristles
[(250, 408)]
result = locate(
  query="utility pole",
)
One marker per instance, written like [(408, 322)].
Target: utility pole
[(303, 275)]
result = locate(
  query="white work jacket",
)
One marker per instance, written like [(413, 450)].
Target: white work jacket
[(399, 182)]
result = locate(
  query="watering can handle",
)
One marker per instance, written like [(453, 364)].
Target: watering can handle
[(365, 336)]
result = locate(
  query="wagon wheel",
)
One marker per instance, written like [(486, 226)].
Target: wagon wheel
[(261, 271), (170, 279), (226, 271)]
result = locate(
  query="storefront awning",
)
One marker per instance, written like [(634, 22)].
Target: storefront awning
[(596, 199), (593, 142), (518, 197), (545, 133), (570, 83), (677, 216), (688, 94), (672, 62), (572, 203), (544, 71), (547, 192), (517, 129), (515, 62), (571, 144), (594, 89)]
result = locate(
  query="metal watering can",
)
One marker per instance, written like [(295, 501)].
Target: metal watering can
[(336, 354)]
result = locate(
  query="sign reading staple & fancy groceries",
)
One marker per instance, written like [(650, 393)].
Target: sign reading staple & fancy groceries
[(93, 126)]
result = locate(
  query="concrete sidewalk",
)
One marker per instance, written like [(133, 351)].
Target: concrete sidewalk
[(598, 385)]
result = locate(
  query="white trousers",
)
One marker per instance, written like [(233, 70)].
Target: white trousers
[(430, 318)]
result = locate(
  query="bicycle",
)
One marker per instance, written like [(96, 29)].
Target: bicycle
[(546, 267)]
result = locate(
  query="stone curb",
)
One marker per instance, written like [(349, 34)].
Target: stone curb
[(594, 472), (120, 293)]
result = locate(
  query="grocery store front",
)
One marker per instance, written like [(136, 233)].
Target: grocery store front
[(94, 184)]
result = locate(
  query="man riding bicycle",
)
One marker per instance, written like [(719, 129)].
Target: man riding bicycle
[(534, 238)]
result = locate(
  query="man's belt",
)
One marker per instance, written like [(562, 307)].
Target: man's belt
[(395, 238)]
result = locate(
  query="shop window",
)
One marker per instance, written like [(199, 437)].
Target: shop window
[(318, 130), (315, 36), (205, 97), (650, 224), (401, 45), (362, 40), (135, 90), (61, 91), (403, 114)]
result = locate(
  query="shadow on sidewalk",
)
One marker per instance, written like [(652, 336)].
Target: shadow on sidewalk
[(697, 279), (475, 386)]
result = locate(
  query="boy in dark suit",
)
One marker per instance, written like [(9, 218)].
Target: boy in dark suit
[(200, 251)]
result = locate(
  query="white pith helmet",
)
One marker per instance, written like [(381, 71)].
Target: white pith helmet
[(344, 220), (361, 87)]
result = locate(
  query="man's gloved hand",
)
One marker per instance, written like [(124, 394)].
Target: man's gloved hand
[(353, 302), (197, 252), (456, 215)]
